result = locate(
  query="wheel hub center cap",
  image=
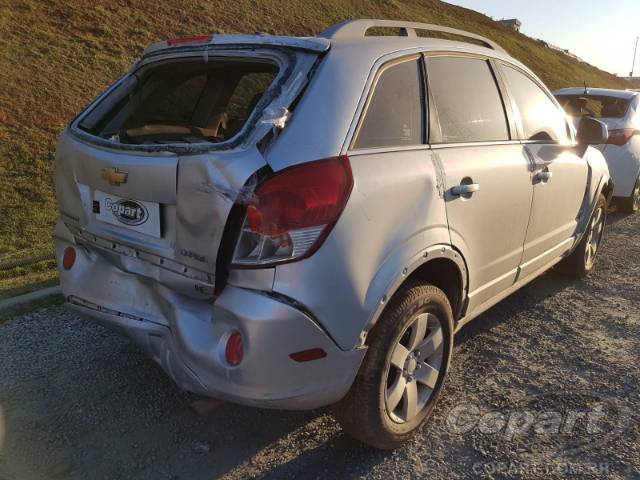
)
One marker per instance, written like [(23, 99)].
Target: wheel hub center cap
[(411, 365)]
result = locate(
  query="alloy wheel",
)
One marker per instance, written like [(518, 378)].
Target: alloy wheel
[(413, 368), (596, 228)]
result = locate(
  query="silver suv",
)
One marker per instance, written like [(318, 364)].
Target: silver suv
[(297, 222)]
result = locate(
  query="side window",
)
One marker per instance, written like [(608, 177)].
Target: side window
[(395, 114), (467, 100), (541, 118)]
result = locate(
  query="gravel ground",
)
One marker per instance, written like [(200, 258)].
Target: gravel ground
[(543, 385)]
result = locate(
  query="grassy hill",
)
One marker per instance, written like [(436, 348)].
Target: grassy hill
[(57, 55)]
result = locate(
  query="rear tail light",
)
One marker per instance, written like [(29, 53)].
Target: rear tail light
[(292, 212), (620, 137)]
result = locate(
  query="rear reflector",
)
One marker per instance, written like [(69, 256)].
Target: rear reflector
[(68, 258), (620, 137), (188, 40), (308, 355), (234, 352)]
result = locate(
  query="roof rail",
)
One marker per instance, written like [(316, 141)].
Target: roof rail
[(358, 28)]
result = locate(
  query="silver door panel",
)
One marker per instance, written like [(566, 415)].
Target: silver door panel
[(488, 226), (556, 201)]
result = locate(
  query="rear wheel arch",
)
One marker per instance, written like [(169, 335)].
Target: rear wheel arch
[(441, 266), (607, 190), (445, 274)]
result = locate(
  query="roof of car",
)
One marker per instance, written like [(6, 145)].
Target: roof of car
[(596, 92), (352, 33), (319, 44)]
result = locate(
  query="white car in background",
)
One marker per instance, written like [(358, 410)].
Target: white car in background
[(620, 111)]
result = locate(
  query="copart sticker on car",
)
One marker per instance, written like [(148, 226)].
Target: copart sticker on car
[(143, 217)]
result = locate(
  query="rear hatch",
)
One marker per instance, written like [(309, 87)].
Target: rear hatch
[(148, 175), (610, 110)]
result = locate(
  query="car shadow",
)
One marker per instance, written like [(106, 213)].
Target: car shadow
[(87, 403), (338, 457), (526, 298), (545, 286)]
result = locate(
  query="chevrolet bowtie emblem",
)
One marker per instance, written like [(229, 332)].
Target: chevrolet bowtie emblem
[(114, 176)]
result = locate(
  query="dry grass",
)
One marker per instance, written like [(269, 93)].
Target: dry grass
[(55, 56)]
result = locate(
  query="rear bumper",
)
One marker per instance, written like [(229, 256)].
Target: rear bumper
[(186, 337), (624, 168)]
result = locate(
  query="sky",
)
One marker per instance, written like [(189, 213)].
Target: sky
[(601, 32)]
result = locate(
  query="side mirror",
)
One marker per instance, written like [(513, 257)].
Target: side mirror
[(592, 132)]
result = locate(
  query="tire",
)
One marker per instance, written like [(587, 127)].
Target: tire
[(581, 261), (631, 204), (366, 412)]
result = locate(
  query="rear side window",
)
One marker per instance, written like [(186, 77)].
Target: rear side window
[(541, 118), (395, 113), (182, 102), (467, 100)]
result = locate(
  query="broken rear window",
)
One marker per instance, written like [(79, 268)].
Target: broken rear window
[(182, 102)]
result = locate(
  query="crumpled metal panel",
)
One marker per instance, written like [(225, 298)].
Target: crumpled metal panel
[(195, 185), (186, 337), (208, 187), (196, 194), (67, 192)]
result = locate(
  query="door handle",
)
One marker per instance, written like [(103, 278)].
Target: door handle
[(544, 176), (465, 189)]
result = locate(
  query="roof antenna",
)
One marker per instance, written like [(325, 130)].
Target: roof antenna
[(586, 92)]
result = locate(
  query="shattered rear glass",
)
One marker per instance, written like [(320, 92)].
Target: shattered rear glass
[(183, 102)]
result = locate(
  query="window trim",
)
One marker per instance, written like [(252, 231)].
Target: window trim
[(501, 64), (424, 140), (401, 148), (480, 143), (436, 133)]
